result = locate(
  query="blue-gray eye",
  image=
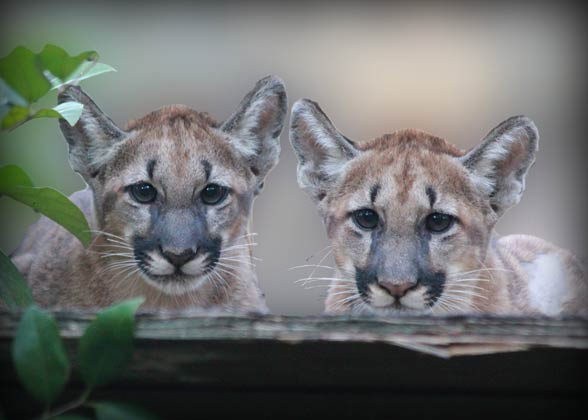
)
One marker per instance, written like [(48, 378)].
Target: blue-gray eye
[(213, 194), (143, 192), (439, 222), (366, 218)]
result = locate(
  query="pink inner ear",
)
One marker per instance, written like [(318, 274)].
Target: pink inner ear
[(308, 142), (267, 116), (518, 153)]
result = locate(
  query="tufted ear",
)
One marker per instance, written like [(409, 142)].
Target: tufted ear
[(93, 139), (256, 126), (498, 166), (322, 151)]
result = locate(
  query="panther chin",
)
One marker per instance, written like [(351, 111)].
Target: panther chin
[(177, 282), (174, 284), (382, 303)]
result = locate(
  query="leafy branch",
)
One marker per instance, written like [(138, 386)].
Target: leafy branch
[(105, 348), (38, 352), (25, 78)]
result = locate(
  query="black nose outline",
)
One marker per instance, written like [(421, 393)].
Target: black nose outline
[(178, 259)]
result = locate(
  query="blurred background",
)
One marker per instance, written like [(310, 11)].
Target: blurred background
[(455, 71)]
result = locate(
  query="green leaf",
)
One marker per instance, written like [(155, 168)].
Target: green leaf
[(39, 356), (60, 63), (14, 291), (15, 183), (16, 115), (71, 417), (85, 71), (107, 344), (12, 175), (69, 111), (115, 411), (21, 71)]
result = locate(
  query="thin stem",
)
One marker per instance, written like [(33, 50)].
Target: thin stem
[(72, 405)]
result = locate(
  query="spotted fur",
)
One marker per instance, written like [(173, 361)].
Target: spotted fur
[(177, 251), (403, 265)]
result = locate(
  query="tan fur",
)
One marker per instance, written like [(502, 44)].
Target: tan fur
[(180, 152), (412, 174)]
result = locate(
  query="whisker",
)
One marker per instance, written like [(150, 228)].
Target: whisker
[(119, 262), (117, 254), (310, 265), (327, 283), (224, 270), (348, 300), (113, 238), (467, 293), (131, 273), (241, 260), (465, 287), (114, 241), (311, 275), (459, 299), (344, 292), (235, 256), (308, 279), (112, 235), (218, 279), (117, 267), (245, 236), (322, 286), (318, 253), (480, 270), (114, 246), (240, 246), (471, 280)]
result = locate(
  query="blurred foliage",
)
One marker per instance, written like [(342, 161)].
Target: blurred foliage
[(15, 183), (25, 78), (38, 352), (106, 347), (13, 290), (39, 356)]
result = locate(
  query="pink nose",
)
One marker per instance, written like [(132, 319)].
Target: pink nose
[(397, 289)]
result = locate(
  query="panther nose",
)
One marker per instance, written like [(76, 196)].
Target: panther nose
[(178, 257), (396, 288)]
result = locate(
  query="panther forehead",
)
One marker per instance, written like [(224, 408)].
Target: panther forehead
[(401, 159), (172, 115), (182, 136)]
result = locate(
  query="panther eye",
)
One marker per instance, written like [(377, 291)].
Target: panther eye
[(143, 192), (213, 194), (439, 222), (366, 218)]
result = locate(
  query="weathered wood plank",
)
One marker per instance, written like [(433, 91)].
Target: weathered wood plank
[(237, 365), (409, 331)]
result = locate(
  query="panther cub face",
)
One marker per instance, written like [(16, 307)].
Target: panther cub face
[(409, 216), (174, 190)]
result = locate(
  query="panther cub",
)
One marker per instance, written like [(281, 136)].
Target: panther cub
[(410, 219), (169, 198)]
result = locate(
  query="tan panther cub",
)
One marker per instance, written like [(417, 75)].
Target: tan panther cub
[(170, 198), (410, 219)]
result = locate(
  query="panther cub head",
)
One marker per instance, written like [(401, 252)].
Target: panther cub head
[(173, 190), (408, 214)]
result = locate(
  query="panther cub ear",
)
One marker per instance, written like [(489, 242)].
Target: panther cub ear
[(321, 149), (93, 138), (256, 126), (498, 166)]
